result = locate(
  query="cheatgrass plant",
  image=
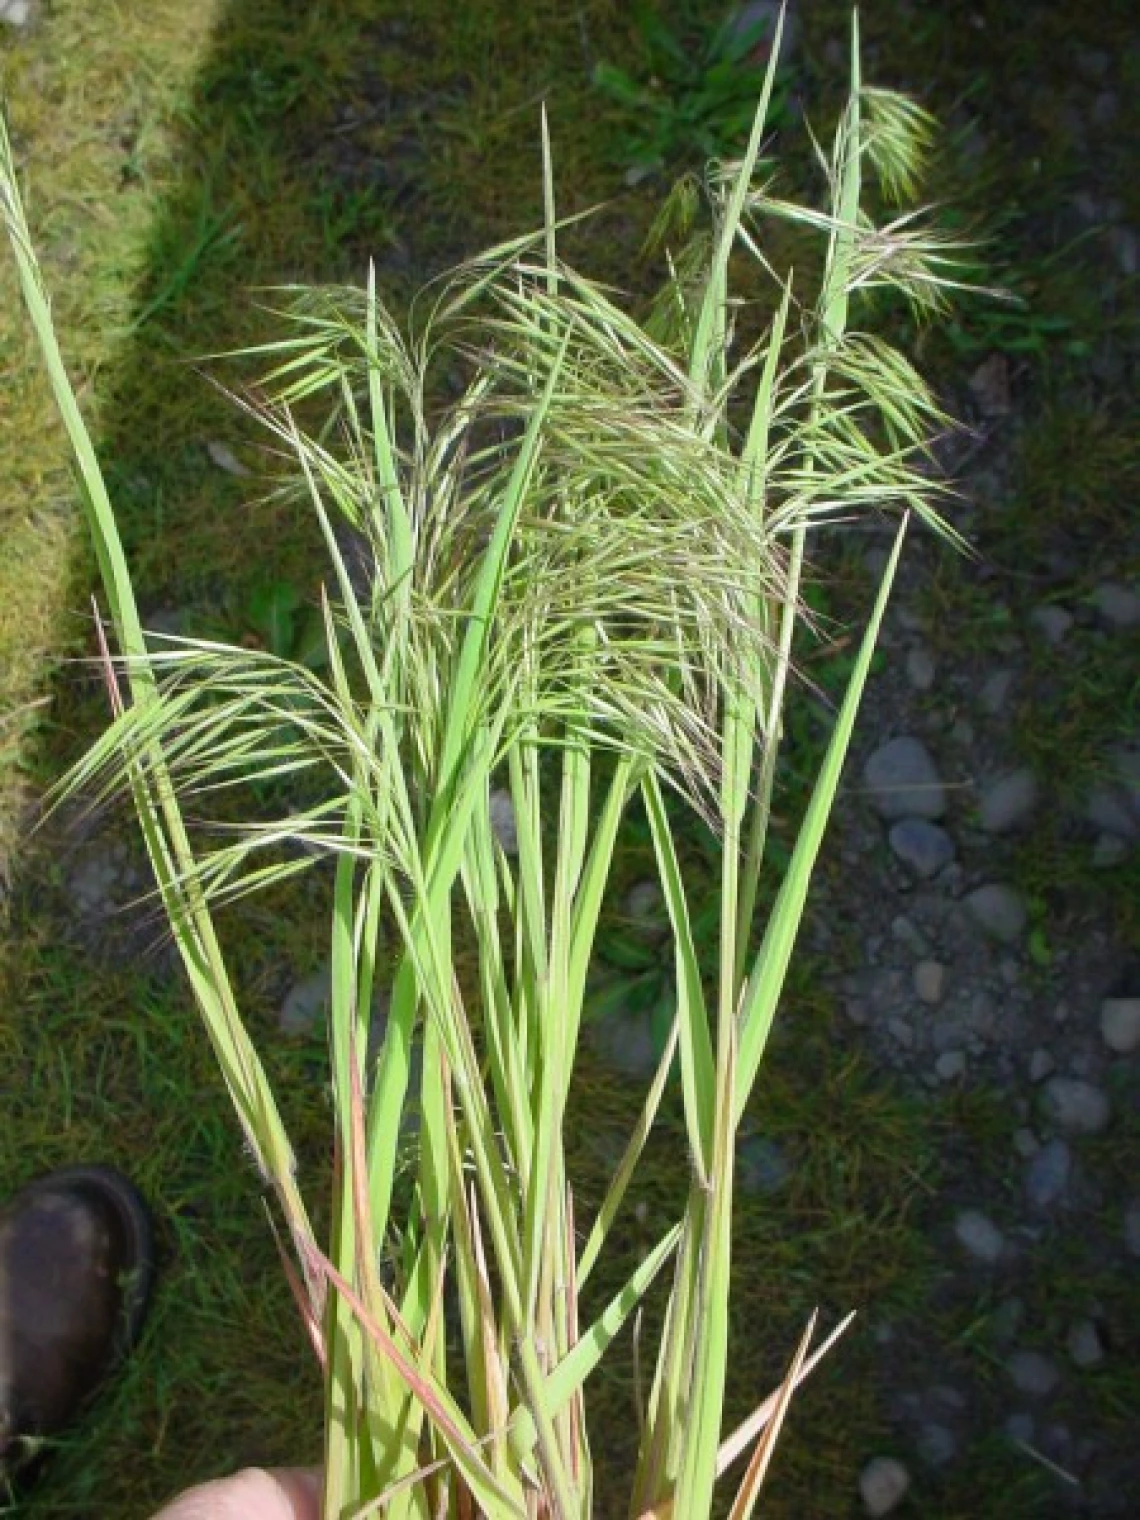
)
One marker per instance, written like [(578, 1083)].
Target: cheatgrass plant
[(583, 588)]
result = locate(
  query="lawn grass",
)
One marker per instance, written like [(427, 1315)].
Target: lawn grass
[(178, 157)]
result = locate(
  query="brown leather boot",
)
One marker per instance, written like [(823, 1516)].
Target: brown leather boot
[(76, 1263)]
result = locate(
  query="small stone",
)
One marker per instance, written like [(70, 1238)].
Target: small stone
[(224, 457), (1132, 1228), (1120, 1024), (1125, 246), (989, 386), (1009, 971), (167, 623), (950, 1065), (1021, 1427), (920, 668), (999, 911), (760, 17), (856, 1010), (761, 1165), (883, 1485), (1104, 109), (924, 847), (95, 885), (1033, 1374), (903, 781), (1093, 63), (1117, 604), (644, 901), (929, 981), (1025, 1143), (996, 689), (1007, 1319), (1048, 1175), (1083, 1343), (504, 824), (979, 1237), (1110, 809), (1041, 1065), (907, 933), (902, 1032), (937, 1445), (962, 732), (16, 12), (1076, 1107), (628, 1044), (1008, 802), (1109, 850), (306, 1003), (1052, 623)]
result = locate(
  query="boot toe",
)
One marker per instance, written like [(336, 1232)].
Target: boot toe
[(76, 1263)]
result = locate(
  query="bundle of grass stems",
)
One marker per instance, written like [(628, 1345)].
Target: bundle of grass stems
[(584, 583)]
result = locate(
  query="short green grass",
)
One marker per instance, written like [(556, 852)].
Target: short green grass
[(179, 156)]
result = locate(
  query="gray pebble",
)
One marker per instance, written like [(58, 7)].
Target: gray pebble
[(1093, 63), (1052, 623), (763, 15), (902, 1032), (762, 1167), (1033, 1373), (979, 1237), (628, 1044), (903, 780), (1083, 1343), (306, 1003), (998, 910), (883, 1485), (1109, 850), (1117, 604), (950, 1065), (1041, 1065), (1048, 1174), (1008, 802), (920, 668), (1007, 1319), (1020, 1427), (962, 732), (1025, 1143), (1009, 971), (995, 692), (1132, 1228), (96, 885), (504, 824), (909, 619), (1110, 810), (937, 1445), (1104, 111), (922, 846), (1076, 1107), (16, 12), (166, 623), (644, 900), (929, 981), (907, 933), (1120, 1024), (1125, 246)]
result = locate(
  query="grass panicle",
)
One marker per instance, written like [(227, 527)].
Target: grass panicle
[(583, 582)]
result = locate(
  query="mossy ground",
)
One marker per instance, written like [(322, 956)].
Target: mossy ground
[(178, 157)]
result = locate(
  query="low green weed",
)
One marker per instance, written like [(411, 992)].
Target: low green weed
[(694, 97)]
